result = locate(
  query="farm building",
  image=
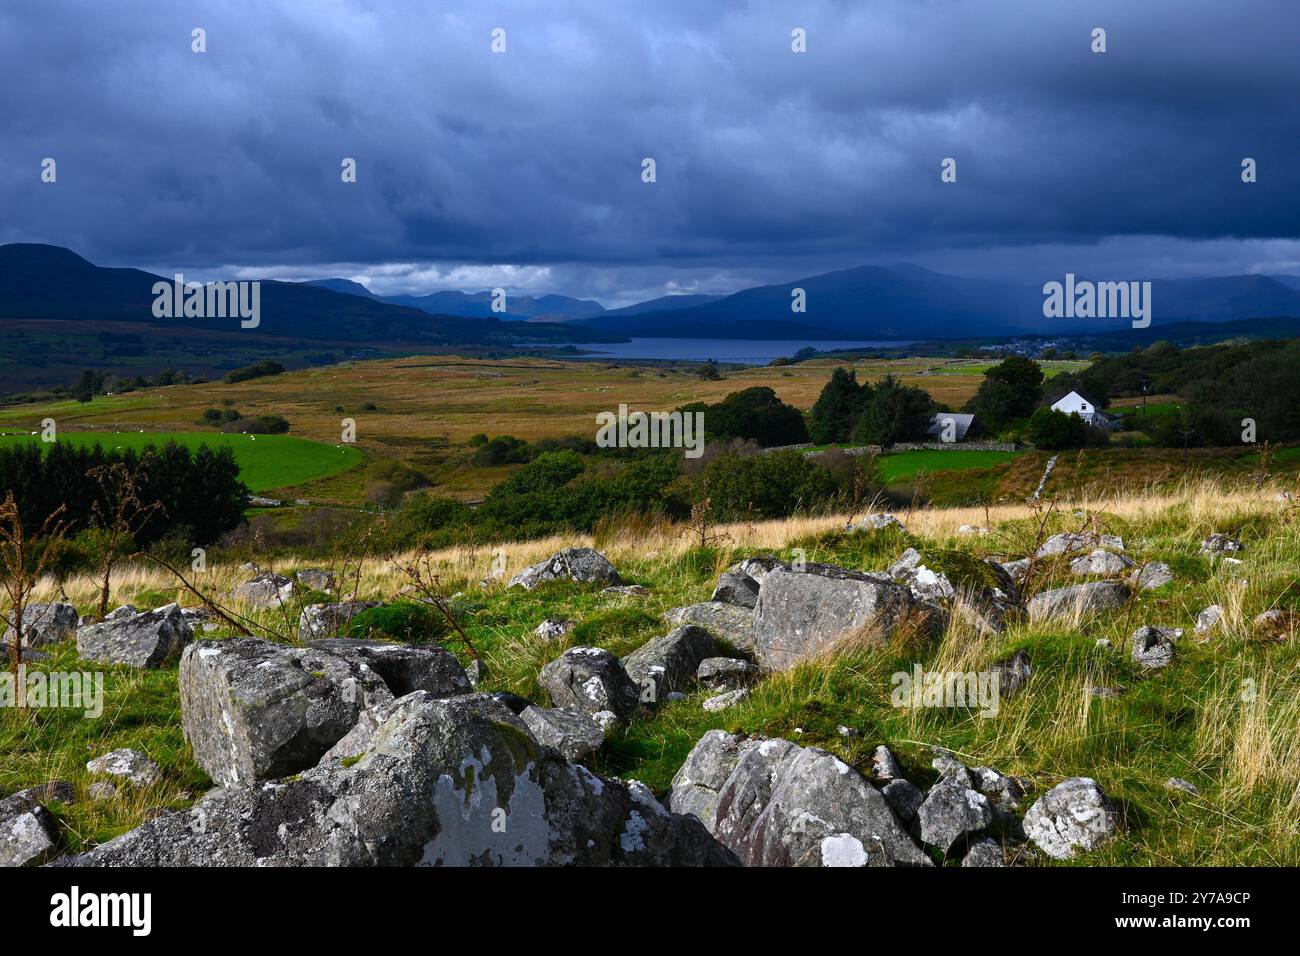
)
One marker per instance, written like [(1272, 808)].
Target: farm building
[(1074, 403)]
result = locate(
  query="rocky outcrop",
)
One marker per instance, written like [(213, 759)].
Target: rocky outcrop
[(137, 640), (438, 782), (571, 564), (43, 624), (591, 681), (667, 664), (803, 613), (1081, 601), (778, 804), (1073, 816)]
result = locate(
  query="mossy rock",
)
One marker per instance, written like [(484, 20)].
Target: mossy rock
[(405, 621)]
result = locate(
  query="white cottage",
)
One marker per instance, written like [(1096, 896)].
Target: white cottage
[(1074, 403)]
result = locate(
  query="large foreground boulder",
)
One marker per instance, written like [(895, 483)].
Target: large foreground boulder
[(438, 782), (728, 622), (137, 640), (802, 613), (591, 681), (778, 804), (252, 709), (1072, 816), (1081, 601), (665, 665), (571, 564), (44, 624)]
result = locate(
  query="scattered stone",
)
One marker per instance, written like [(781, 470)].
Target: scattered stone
[(429, 787), (573, 735), (846, 731), (553, 629), (1003, 790), (1177, 783), (972, 529), (950, 768), (952, 813), (589, 680), (723, 701), (674, 696), (27, 831), (736, 588), (801, 614), (727, 622), (1074, 815), (1151, 576), (476, 672), (666, 664), (1016, 570), (1105, 644), (1013, 673), (1101, 562), (1276, 624), (1105, 692), (627, 590), (985, 852), (315, 579), (1154, 646), (1220, 544), (126, 764), (904, 797), (758, 567), (1068, 543), (327, 620), (876, 522), (571, 564), (1080, 600), (778, 804), (729, 672), (884, 765), (101, 790), (1209, 619), (137, 640), (43, 624), (264, 592)]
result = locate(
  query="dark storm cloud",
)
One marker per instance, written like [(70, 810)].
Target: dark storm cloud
[(770, 164)]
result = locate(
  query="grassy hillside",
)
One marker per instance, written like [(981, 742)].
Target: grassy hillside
[(1189, 720)]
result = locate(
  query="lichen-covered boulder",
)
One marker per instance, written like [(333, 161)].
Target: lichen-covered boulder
[(1074, 815), (127, 765), (1081, 601), (264, 592), (590, 680), (725, 672), (571, 564), (44, 624), (1069, 542), (758, 567), (778, 804), (667, 664), (315, 579), (438, 782), (137, 640), (800, 614), (574, 735), (1154, 574), (28, 831), (953, 813), (1099, 563), (1220, 544)]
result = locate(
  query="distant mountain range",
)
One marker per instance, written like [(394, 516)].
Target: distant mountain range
[(873, 302)]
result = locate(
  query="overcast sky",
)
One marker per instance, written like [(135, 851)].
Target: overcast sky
[(523, 169)]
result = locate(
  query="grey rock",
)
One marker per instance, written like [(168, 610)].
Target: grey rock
[(1154, 646), (1013, 673), (1186, 786), (1101, 562), (1074, 815), (1006, 792), (1275, 624), (121, 613), (1105, 693), (126, 764), (327, 620), (571, 564), (553, 628), (43, 624), (1081, 600), (1220, 544), (1209, 619), (801, 614), (476, 672), (573, 735), (950, 768), (627, 590), (1151, 576), (60, 791), (728, 672), (984, 852), (101, 790), (667, 664), (778, 804), (431, 787), (28, 831), (253, 710), (974, 529), (1069, 542), (727, 622), (404, 668), (884, 765), (1104, 644), (877, 522), (137, 640), (264, 592), (590, 680), (904, 797), (758, 567), (722, 701), (513, 702), (736, 588), (315, 579), (1016, 570)]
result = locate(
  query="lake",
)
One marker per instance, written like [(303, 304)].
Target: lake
[(751, 351)]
